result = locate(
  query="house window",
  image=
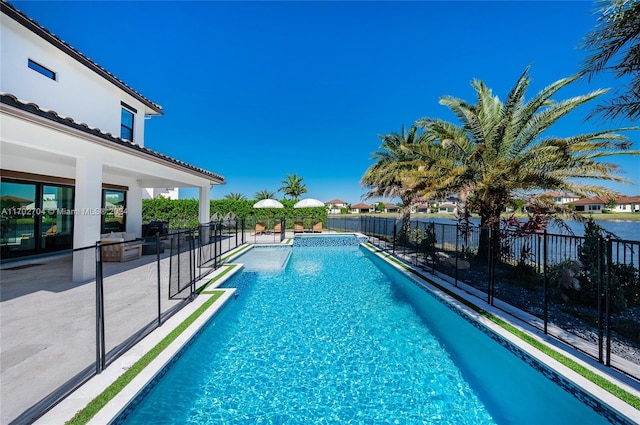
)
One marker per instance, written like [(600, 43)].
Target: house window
[(126, 124), (115, 211), (41, 69), (36, 218)]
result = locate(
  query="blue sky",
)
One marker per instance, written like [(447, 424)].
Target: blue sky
[(258, 90)]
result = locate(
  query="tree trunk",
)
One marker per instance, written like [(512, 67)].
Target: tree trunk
[(489, 241), (406, 220)]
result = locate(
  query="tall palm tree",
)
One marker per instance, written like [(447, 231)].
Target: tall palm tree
[(385, 178), (614, 45), (293, 186), (236, 196), (264, 194), (500, 148)]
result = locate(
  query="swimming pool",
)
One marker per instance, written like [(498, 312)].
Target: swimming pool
[(338, 336)]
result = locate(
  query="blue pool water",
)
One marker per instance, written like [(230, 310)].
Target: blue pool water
[(339, 337)]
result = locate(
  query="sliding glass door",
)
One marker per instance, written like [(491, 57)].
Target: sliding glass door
[(36, 218)]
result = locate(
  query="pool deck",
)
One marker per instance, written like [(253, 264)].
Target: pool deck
[(65, 410)]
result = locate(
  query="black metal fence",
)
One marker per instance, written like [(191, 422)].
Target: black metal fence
[(89, 306), (584, 291)]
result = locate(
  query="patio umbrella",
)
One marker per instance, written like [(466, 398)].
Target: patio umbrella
[(268, 204), (308, 203)]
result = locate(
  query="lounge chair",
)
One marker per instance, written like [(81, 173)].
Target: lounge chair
[(260, 228), (317, 227), (277, 227), (298, 227)]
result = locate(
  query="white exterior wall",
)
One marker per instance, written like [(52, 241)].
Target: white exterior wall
[(77, 92)]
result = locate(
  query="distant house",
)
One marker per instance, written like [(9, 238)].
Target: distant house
[(361, 208), (335, 206), (448, 207), (627, 204), (592, 205), (420, 205), (390, 208), (598, 204), (560, 197)]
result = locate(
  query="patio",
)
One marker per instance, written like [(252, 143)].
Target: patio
[(48, 321)]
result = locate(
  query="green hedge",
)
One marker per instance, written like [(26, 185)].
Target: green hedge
[(183, 213)]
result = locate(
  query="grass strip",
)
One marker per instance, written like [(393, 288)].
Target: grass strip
[(603, 383), (94, 406), (228, 268)]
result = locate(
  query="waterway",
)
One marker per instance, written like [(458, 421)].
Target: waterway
[(625, 230)]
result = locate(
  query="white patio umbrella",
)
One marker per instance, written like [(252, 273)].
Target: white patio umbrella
[(308, 203), (268, 204)]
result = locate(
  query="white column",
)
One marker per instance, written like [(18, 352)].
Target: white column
[(134, 210), (86, 224), (204, 213)]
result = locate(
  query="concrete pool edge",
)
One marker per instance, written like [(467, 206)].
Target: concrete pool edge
[(490, 317)]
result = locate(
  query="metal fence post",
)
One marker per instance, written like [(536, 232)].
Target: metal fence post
[(158, 242), (545, 282), (433, 247), (600, 295), (491, 267), (100, 343), (216, 238), (192, 262), (456, 251), (609, 291), (395, 231)]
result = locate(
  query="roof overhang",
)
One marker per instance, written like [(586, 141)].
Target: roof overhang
[(158, 177)]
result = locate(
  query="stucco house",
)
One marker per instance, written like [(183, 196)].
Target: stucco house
[(361, 208), (559, 198), (598, 204), (335, 206), (390, 208), (74, 162), (448, 207)]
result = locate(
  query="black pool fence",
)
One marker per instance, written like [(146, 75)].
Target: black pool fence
[(583, 291)]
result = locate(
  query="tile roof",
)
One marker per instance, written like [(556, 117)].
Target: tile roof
[(20, 17), (335, 201), (620, 200), (11, 100), (361, 206)]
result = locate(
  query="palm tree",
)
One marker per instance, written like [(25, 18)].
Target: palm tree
[(499, 149), (264, 194), (386, 177), (236, 196), (615, 46), (293, 186)]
